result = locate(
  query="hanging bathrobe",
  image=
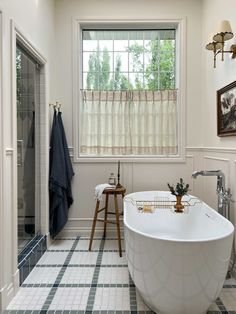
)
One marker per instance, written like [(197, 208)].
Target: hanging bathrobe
[(58, 180)]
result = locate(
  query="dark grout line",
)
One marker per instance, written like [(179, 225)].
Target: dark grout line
[(54, 288), (92, 292)]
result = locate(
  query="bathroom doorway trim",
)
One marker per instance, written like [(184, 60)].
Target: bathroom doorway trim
[(18, 36), (2, 281)]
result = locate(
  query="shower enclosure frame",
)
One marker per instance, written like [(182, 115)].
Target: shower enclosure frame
[(18, 37)]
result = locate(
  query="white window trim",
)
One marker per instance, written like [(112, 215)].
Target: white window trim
[(180, 25)]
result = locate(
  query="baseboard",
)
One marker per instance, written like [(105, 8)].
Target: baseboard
[(48, 239), (30, 255), (85, 232), (7, 293), (233, 271), (16, 281)]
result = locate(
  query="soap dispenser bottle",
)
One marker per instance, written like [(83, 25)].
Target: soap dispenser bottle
[(112, 179)]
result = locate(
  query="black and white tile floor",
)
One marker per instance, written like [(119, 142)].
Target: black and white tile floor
[(68, 279)]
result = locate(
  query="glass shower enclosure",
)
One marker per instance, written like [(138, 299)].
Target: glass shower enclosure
[(27, 73)]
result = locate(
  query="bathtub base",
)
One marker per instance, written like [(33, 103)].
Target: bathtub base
[(175, 311)]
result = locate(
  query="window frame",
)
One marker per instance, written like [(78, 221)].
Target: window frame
[(180, 26)]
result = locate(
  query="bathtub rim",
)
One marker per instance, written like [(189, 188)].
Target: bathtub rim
[(126, 224)]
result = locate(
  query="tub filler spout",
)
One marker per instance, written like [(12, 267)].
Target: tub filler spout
[(224, 195), (218, 173)]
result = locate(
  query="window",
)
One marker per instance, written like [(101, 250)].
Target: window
[(131, 59), (128, 98)]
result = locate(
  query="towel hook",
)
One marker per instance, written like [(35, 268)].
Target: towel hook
[(53, 105), (56, 106)]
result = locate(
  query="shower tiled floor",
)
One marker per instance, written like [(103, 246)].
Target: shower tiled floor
[(69, 279)]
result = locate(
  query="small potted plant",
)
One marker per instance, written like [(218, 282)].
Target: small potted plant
[(180, 190)]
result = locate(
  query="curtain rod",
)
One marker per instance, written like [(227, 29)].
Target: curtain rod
[(127, 90)]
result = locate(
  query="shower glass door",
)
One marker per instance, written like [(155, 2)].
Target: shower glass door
[(28, 211)]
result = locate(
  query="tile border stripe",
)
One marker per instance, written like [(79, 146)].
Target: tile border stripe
[(55, 286), (84, 312), (92, 292), (132, 295), (68, 250), (80, 265), (79, 285), (221, 306)]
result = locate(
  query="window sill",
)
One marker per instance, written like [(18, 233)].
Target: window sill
[(143, 159)]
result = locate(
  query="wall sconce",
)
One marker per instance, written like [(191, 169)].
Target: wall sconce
[(217, 45)]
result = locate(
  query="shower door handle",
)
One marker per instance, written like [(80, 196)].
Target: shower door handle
[(20, 145)]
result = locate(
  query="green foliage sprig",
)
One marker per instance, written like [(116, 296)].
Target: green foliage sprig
[(180, 189)]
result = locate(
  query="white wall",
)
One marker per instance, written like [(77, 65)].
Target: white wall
[(219, 152), (111, 9), (224, 73), (35, 18), (135, 176)]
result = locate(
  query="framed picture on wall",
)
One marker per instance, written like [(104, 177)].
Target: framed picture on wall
[(226, 110)]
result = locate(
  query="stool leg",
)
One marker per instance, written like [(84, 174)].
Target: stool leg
[(94, 224), (105, 216), (118, 223), (123, 195)]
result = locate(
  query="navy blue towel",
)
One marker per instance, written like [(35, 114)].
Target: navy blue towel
[(68, 164), (60, 175)]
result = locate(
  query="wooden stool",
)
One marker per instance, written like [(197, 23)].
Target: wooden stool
[(107, 192)]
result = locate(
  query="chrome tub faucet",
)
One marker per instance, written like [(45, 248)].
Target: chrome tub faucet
[(224, 196)]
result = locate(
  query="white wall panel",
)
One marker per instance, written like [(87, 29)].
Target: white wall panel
[(224, 73), (35, 19), (221, 150), (233, 191), (210, 183), (134, 176)]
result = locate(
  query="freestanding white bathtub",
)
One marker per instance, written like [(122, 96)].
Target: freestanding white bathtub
[(178, 261)]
